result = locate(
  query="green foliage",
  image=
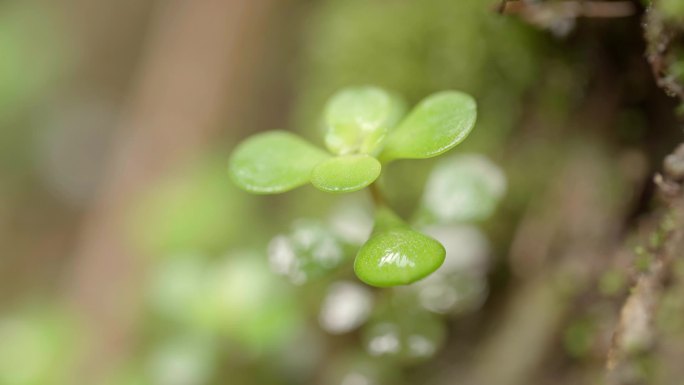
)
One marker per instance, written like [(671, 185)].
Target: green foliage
[(396, 254), (405, 337), (346, 173), (357, 119), (192, 210), (612, 282), (673, 9), (579, 337), (274, 162), (38, 347), (462, 188), (309, 251), (245, 303), (363, 122), (435, 126), (235, 297), (417, 48), (34, 54), (182, 360)]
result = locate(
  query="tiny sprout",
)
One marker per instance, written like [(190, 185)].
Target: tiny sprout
[(365, 130)]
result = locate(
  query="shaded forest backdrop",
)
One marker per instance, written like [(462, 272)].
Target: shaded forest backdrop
[(128, 257)]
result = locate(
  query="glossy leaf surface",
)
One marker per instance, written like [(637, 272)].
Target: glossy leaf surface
[(346, 173), (358, 118), (274, 162), (395, 254), (434, 126)]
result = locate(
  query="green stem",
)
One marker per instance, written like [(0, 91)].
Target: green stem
[(376, 194)]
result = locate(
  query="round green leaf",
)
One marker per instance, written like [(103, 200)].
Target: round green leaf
[(274, 162), (358, 118), (396, 254), (346, 173), (437, 124)]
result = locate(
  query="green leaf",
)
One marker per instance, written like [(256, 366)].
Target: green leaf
[(357, 119), (345, 173), (274, 162), (396, 254), (437, 124)]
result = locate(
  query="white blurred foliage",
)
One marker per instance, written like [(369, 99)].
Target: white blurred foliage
[(463, 188), (308, 250), (346, 306), (356, 378), (176, 285), (420, 346), (459, 285), (385, 340), (405, 337), (241, 285), (283, 260), (467, 248), (325, 250), (351, 221), (181, 362)]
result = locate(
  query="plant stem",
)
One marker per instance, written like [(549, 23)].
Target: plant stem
[(376, 194)]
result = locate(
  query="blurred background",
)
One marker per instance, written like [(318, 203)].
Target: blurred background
[(127, 257)]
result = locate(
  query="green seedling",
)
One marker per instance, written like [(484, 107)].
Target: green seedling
[(366, 128)]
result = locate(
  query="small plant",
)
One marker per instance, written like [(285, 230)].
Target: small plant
[(366, 128)]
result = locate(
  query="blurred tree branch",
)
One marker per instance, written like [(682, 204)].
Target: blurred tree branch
[(569, 8), (559, 16), (664, 43), (637, 332), (195, 64)]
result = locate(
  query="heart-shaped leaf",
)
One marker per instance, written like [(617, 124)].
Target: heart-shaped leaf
[(345, 173), (358, 118), (274, 162), (434, 126), (396, 254)]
